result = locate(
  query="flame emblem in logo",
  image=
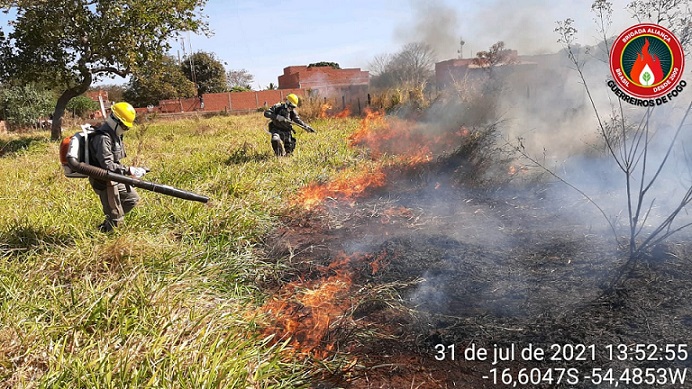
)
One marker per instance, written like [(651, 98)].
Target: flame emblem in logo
[(646, 70)]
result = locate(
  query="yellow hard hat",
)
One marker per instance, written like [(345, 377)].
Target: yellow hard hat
[(125, 113), (292, 100)]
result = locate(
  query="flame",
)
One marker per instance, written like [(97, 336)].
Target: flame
[(311, 314), (372, 119), (323, 110), (343, 114), (343, 187), (379, 262), (307, 312), (646, 70), (410, 145), (403, 138)]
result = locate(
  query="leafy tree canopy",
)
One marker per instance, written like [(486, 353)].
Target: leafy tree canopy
[(82, 106), (324, 64), (496, 55), (22, 105), (158, 82), (70, 44), (206, 71)]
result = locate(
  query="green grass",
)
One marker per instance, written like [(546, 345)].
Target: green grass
[(168, 300)]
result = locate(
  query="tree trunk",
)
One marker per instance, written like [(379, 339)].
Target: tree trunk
[(56, 125), (59, 112)]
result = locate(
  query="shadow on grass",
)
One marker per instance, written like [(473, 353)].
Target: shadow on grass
[(247, 153), (15, 145), (21, 238)]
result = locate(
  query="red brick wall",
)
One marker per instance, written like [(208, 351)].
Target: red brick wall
[(228, 101), (347, 87), (178, 105)]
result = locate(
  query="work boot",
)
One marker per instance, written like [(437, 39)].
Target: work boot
[(107, 226), (278, 147)]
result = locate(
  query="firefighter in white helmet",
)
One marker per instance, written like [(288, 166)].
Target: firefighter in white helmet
[(106, 149), (283, 115)]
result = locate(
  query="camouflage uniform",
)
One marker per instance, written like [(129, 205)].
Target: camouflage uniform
[(106, 149), (283, 142)]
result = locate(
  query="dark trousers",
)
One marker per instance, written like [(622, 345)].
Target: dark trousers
[(285, 144), (117, 200)]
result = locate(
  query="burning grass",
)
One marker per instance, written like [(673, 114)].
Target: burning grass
[(352, 284), (306, 312), (170, 296), (462, 265)]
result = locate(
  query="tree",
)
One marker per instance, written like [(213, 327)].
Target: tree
[(163, 81), (496, 55), (378, 65), (71, 44), (412, 67), (676, 15), (22, 105), (325, 64), (239, 79), (82, 106), (629, 137), (206, 72)]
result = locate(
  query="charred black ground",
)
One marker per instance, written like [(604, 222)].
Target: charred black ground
[(435, 263)]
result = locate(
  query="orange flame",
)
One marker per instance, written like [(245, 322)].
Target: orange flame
[(343, 114), (305, 312), (344, 187), (372, 119), (411, 145), (323, 110)]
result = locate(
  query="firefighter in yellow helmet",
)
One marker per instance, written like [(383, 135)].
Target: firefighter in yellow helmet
[(106, 150), (283, 115)]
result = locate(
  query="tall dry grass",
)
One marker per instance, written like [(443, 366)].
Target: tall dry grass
[(168, 300)]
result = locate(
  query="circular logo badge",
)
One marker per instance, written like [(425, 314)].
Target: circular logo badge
[(647, 61)]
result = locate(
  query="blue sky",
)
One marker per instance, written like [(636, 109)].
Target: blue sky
[(263, 38)]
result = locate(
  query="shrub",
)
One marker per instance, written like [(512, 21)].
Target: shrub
[(22, 106), (82, 106)]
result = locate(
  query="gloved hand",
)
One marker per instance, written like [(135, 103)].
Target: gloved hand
[(138, 171), (281, 118)]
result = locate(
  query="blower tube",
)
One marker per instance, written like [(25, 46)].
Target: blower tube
[(105, 175)]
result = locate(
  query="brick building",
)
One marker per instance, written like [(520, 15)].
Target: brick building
[(344, 88), (521, 74), (324, 80)]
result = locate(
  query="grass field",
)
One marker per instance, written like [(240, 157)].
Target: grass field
[(170, 299)]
